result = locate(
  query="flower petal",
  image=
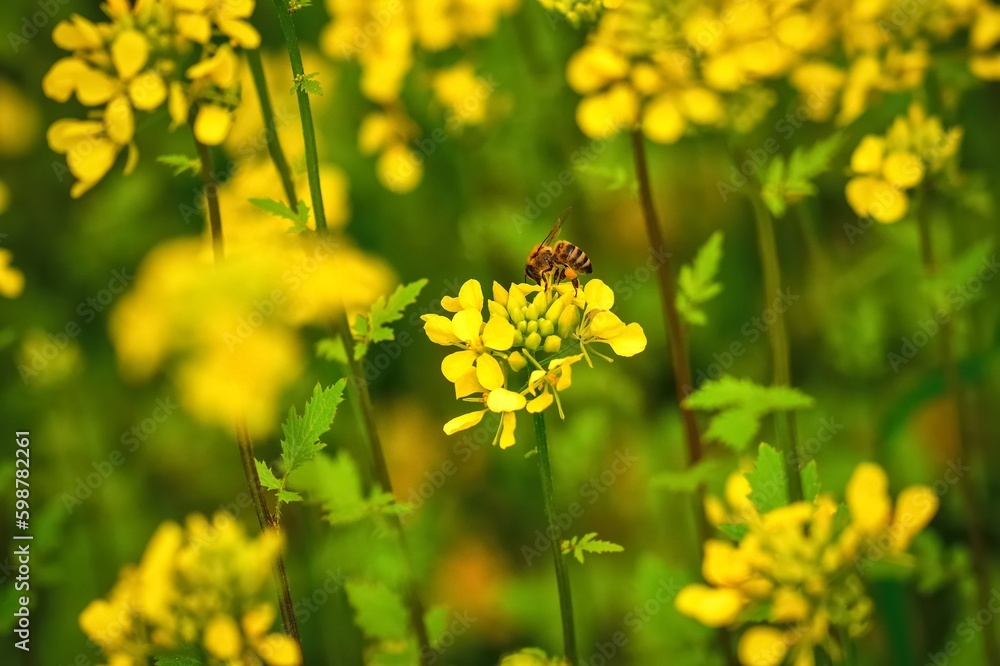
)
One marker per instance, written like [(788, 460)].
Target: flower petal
[(212, 124), (541, 403), (466, 325), (867, 496), (467, 384), (915, 507), (507, 428), (867, 157), (488, 372), (763, 646), (710, 606), (470, 297), (630, 342), (439, 330), (502, 400), (119, 121), (457, 364), (464, 422), (606, 325), (147, 91), (129, 53), (498, 334)]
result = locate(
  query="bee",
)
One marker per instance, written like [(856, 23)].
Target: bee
[(550, 264)]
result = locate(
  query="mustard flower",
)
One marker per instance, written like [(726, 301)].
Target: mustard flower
[(886, 167), (524, 320), (206, 587), (11, 279), (800, 568)]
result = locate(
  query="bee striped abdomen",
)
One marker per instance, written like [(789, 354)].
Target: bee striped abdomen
[(570, 255)]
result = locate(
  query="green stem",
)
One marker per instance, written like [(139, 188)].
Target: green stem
[(363, 402), (305, 112), (242, 434), (784, 424), (974, 506), (267, 111), (562, 575), (678, 351)]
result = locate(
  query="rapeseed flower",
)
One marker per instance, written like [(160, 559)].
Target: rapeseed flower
[(524, 320), (204, 587), (885, 168), (802, 566), (11, 279)]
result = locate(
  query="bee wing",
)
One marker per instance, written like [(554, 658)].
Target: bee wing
[(557, 226)]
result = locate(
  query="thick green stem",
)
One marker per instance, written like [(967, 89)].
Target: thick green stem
[(305, 112), (363, 402), (974, 506), (267, 111), (784, 424), (562, 575), (242, 434)]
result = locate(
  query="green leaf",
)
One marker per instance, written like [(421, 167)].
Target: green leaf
[(768, 481), (335, 484), (287, 496), (267, 477), (299, 217), (697, 281), (301, 433), (374, 326), (790, 182), (181, 163), (378, 610), (810, 481), (588, 543), (436, 620), (308, 84), (741, 405), (735, 531), (690, 479)]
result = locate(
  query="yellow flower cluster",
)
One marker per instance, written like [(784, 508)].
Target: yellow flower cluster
[(136, 62), (524, 320), (886, 167), (803, 565), (11, 279), (205, 586), (385, 37), (578, 12), (233, 327), (667, 67)]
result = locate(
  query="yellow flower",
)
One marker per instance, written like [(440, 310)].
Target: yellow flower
[(713, 607), (602, 325), (196, 17), (19, 130), (11, 279), (547, 384), (222, 638), (500, 401), (763, 646)]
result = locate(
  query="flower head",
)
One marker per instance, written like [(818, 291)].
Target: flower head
[(802, 566), (524, 321)]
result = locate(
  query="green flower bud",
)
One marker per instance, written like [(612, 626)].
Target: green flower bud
[(533, 341), (517, 361), (497, 310), (568, 321), (531, 312), (522, 326), (552, 344), (532, 326), (516, 315), (518, 339), (546, 327)]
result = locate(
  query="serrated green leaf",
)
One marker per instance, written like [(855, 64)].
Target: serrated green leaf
[(307, 83), (299, 217), (332, 349), (181, 163), (374, 326), (335, 484), (378, 610), (588, 543), (741, 405), (697, 283), (786, 183), (690, 479), (736, 428), (768, 480), (267, 477), (810, 481), (301, 433), (287, 496)]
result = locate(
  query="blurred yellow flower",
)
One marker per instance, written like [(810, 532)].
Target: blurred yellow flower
[(19, 130), (204, 585), (11, 279), (802, 568), (886, 167)]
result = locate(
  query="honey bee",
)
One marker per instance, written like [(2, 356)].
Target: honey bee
[(551, 264)]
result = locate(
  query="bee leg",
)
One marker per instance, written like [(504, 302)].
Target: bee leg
[(572, 276)]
